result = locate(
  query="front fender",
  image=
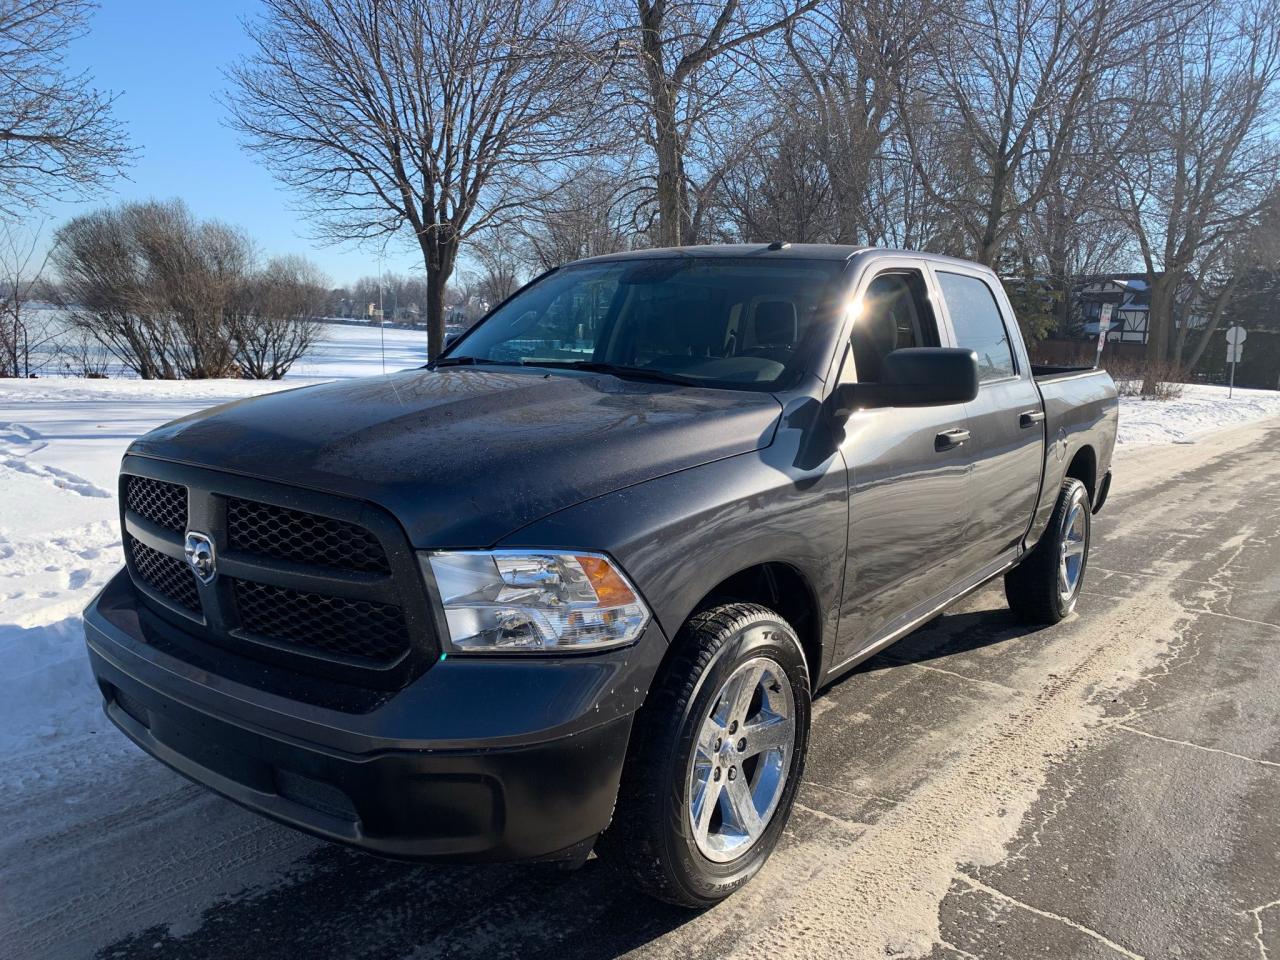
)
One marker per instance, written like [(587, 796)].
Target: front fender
[(679, 536)]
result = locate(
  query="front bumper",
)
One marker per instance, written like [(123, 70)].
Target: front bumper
[(474, 760)]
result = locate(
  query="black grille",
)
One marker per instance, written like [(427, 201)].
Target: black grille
[(165, 574), (285, 534), (350, 628), (325, 586), (160, 502)]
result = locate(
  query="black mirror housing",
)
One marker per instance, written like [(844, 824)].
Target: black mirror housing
[(915, 377)]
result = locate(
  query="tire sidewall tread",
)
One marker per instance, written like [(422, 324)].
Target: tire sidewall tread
[(1032, 586), (649, 838)]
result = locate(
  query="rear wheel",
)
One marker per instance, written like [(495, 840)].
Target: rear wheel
[(716, 756), (1044, 587)]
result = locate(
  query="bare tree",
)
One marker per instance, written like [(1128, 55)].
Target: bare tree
[(435, 119), (854, 60), (501, 258), (1252, 256), (102, 282), (152, 285), (58, 137), (1206, 158), (272, 316), (192, 270), (1073, 231), (592, 213), (683, 64), (1013, 80), (23, 330), (782, 189)]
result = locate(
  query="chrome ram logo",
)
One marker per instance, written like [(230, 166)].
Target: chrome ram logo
[(199, 550)]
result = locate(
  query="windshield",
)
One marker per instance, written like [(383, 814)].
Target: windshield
[(729, 322)]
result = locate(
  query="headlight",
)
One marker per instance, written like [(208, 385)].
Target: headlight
[(511, 601)]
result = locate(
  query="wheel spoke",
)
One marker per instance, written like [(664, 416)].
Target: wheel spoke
[(739, 698), (776, 733), (704, 805), (1064, 578), (707, 740), (1074, 548), (738, 793)]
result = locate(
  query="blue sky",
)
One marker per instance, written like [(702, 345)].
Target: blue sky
[(166, 62)]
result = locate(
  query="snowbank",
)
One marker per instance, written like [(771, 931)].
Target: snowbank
[(60, 447), (1199, 410)]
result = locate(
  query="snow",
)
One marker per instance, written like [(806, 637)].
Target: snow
[(1200, 410), (60, 445)]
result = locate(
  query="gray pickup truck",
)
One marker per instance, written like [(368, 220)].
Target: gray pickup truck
[(573, 585)]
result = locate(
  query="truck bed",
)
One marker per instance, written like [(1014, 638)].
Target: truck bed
[(1044, 372), (1081, 413)]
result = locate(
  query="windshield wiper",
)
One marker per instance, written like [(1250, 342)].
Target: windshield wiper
[(471, 362), (619, 370)]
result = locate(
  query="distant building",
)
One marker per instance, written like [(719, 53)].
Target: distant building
[(1130, 297)]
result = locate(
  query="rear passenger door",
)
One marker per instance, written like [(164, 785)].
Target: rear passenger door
[(1006, 419)]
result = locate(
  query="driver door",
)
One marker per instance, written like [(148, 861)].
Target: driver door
[(908, 467)]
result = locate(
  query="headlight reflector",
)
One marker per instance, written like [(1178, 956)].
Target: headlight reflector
[(505, 601)]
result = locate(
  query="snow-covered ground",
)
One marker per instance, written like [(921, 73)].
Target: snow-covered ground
[(60, 446), (1199, 410)]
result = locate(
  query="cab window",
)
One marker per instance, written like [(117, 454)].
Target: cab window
[(975, 317), (895, 314)]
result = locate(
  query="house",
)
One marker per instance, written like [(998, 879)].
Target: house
[(1130, 297)]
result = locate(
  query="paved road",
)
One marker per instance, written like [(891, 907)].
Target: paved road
[(1105, 788)]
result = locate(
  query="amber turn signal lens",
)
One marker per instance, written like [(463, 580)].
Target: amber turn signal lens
[(609, 587)]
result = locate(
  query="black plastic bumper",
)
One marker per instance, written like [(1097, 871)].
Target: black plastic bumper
[(474, 760)]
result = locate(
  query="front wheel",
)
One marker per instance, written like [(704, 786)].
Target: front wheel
[(1044, 587), (717, 754)]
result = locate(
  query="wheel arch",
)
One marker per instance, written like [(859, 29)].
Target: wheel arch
[(1084, 467), (783, 588)]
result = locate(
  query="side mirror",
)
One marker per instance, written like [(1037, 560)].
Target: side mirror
[(915, 377), (450, 339)]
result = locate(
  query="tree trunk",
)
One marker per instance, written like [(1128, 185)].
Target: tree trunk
[(1215, 319), (1159, 320), (672, 215), (989, 246), (438, 257), (1060, 285)]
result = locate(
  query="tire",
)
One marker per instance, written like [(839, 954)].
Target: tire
[(1042, 588), (673, 761)]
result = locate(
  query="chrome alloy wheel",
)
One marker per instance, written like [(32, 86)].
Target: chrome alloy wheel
[(741, 760), (1071, 559)]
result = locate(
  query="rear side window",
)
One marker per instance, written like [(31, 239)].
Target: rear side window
[(976, 319)]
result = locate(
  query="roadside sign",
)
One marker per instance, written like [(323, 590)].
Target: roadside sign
[(1104, 324), (1236, 337)]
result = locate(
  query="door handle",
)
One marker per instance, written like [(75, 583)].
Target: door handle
[(1030, 418), (949, 439)]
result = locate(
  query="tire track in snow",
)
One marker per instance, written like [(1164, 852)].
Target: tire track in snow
[(18, 442)]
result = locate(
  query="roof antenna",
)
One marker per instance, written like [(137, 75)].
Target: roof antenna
[(779, 245)]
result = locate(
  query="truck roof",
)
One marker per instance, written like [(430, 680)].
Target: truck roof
[(789, 251)]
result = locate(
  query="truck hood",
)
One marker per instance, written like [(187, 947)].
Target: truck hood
[(465, 456)]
